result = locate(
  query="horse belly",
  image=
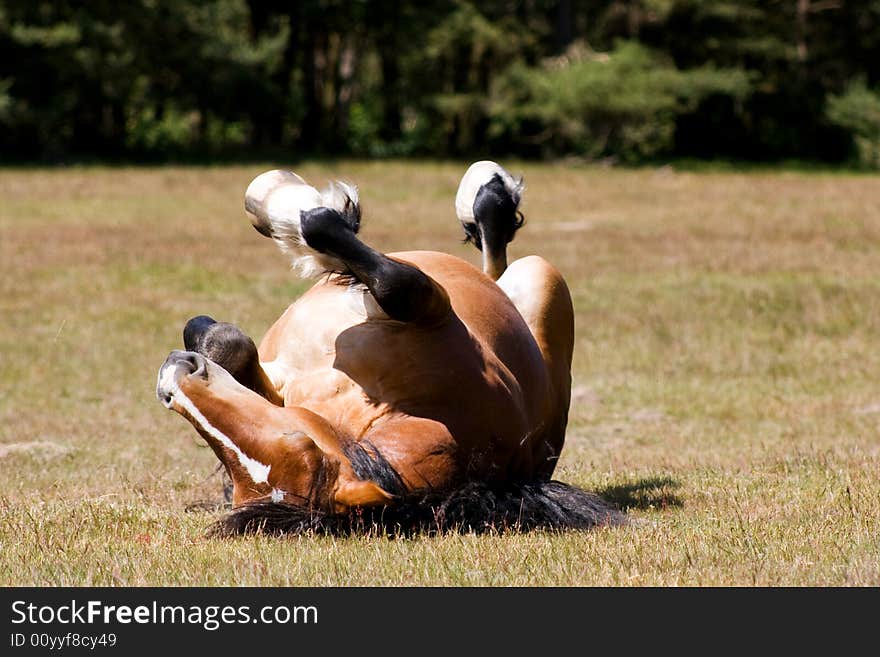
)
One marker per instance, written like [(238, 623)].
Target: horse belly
[(442, 374), (302, 343)]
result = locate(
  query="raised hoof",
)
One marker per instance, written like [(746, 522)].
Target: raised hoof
[(223, 343)]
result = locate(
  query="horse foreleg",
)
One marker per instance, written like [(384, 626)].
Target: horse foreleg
[(233, 350), (270, 452)]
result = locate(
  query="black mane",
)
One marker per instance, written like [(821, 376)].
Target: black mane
[(477, 507)]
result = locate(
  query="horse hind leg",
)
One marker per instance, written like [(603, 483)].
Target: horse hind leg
[(487, 205), (540, 293), (403, 291), (233, 350)]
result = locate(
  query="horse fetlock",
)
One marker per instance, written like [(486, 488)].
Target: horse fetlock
[(277, 202), (487, 205), (325, 230)]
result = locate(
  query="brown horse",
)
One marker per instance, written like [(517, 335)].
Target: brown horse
[(411, 383)]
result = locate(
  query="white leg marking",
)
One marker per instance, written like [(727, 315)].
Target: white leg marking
[(275, 201)]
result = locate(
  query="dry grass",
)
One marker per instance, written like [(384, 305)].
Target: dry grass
[(726, 375)]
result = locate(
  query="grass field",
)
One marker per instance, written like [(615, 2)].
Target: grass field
[(727, 375)]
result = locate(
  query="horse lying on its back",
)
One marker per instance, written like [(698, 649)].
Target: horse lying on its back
[(404, 390)]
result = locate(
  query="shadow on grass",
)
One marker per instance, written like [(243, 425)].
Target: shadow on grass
[(650, 493)]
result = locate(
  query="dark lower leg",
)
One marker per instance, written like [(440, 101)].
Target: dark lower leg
[(229, 347), (404, 292), (497, 221)]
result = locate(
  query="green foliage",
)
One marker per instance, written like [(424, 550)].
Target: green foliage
[(623, 103), (687, 78), (363, 127), (148, 76), (171, 132), (463, 55), (5, 99), (858, 111)]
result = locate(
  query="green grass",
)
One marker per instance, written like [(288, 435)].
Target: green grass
[(726, 375)]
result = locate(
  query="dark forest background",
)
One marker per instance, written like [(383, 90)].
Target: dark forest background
[(625, 81)]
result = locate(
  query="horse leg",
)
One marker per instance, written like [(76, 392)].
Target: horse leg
[(541, 295), (271, 452), (403, 292), (228, 346), (319, 230), (487, 205)]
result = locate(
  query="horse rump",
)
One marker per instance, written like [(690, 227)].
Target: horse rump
[(475, 507)]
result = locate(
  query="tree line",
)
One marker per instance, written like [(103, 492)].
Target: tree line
[(620, 80)]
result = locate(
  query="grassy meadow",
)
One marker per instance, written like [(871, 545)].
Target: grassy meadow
[(727, 375)]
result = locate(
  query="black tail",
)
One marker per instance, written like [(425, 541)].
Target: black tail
[(475, 507)]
